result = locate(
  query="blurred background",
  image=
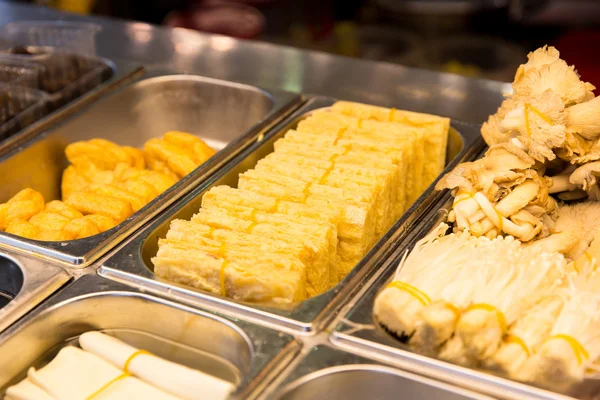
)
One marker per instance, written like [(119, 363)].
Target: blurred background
[(482, 38)]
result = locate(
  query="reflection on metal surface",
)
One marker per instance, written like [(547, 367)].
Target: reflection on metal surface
[(132, 265), (341, 375), (322, 74), (24, 283), (239, 352), (226, 115), (222, 43)]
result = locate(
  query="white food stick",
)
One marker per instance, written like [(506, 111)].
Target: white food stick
[(75, 374), (26, 390), (173, 378)]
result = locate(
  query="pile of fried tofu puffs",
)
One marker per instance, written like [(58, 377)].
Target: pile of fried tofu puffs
[(307, 213), (104, 184)]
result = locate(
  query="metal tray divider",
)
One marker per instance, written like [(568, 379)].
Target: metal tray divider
[(83, 252), (271, 350), (309, 316)]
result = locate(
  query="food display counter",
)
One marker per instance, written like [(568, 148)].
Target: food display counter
[(165, 283)]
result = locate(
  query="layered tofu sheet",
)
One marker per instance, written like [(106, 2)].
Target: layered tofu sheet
[(308, 212)]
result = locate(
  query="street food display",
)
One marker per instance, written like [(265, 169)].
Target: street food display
[(104, 184), (319, 218), (307, 213), (510, 282)]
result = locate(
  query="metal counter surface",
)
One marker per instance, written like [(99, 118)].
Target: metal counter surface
[(278, 67)]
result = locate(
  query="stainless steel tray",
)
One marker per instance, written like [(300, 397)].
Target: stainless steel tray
[(81, 93), (359, 332), (327, 373), (245, 354), (24, 283), (131, 264), (228, 116)]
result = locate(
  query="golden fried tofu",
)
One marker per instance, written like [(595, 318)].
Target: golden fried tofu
[(94, 203), (24, 205), (136, 202), (102, 222), (58, 207), (178, 160), (101, 153), (177, 153), (158, 180), (53, 236), (20, 227), (200, 150), (141, 189), (161, 167), (48, 221), (81, 227), (137, 157)]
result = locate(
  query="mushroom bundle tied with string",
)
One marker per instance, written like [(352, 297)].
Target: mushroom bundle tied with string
[(500, 194)]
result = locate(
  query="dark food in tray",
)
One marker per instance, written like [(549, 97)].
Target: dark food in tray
[(19, 108), (62, 76), (65, 75)]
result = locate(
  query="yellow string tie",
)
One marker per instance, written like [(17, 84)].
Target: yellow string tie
[(413, 291), (527, 127), (500, 220), (580, 351), (529, 108), (520, 342), (490, 308), (540, 114), (462, 196), (131, 357), (391, 115), (106, 386), (222, 278), (455, 310)]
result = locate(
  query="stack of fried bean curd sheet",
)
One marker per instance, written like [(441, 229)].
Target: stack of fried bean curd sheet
[(307, 213)]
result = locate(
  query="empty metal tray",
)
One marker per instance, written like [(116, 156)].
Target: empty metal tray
[(24, 283), (132, 264), (242, 353), (227, 115), (326, 373)]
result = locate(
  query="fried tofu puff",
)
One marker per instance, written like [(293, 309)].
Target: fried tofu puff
[(176, 154), (104, 185)]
